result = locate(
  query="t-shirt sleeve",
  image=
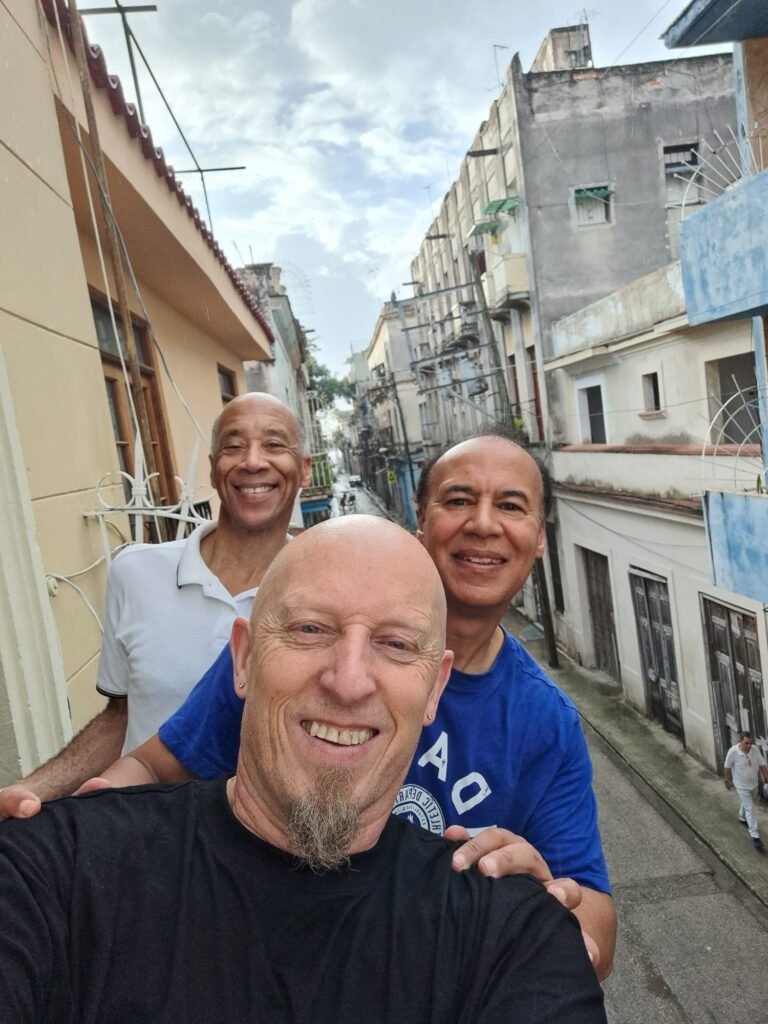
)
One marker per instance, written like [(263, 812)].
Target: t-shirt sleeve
[(538, 970), (113, 673), (204, 734), (729, 758), (563, 827), (33, 939)]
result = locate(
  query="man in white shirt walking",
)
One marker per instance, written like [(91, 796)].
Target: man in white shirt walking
[(744, 767)]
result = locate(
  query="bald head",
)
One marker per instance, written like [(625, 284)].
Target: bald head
[(256, 403), (360, 552)]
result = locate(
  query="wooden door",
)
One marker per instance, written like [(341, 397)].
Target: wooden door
[(650, 597), (601, 612), (735, 676)]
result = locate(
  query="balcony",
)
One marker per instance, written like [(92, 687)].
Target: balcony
[(510, 282)]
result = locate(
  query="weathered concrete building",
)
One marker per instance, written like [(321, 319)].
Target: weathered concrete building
[(389, 408), (572, 187), (660, 441)]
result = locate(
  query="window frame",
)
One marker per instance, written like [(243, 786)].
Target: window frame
[(116, 385), (226, 395)]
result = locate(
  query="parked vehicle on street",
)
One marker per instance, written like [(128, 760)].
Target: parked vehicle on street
[(355, 481)]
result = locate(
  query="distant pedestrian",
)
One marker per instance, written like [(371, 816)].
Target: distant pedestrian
[(343, 503), (744, 767)]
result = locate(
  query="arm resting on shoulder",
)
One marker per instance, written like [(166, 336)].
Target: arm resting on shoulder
[(88, 754), (151, 762), (597, 916)]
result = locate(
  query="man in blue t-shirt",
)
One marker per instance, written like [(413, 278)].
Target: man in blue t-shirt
[(506, 748)]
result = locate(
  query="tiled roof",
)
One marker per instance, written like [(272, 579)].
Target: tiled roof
[(143, 136)]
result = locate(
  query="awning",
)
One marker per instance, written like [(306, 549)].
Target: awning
[(501, 206), (485, 227)]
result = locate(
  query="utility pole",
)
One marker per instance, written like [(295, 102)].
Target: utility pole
[(405, 433)]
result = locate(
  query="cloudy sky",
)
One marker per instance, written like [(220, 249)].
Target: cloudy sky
[(351, 117)]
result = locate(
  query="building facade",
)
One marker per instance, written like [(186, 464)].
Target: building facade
[(68, 428), (628, 553)]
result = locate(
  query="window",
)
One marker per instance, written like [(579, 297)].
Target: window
[(651, 394), (593, 205), (591, 414), (733, 400), (123, 426), (681, 163), (227, 384)]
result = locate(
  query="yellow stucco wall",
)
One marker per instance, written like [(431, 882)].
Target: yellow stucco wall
[(48, 341)]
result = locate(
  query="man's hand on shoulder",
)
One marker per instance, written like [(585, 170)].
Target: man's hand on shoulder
[(497, 852), (18, 801)]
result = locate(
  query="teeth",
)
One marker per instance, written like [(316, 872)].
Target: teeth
[(341, 737), (263, 488), (481, 561)]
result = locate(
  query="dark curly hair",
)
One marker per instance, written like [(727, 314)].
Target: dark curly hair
[(488, 430)]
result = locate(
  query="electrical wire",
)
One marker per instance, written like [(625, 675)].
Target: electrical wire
[(86, 602), (642, 30)]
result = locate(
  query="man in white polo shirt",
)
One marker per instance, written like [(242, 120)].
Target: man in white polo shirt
[(744, 766), (170, 607)]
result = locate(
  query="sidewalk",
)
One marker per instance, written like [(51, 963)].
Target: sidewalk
[(691, 797)]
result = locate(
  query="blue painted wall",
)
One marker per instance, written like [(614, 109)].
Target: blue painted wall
[(737, 535), (724, 254)]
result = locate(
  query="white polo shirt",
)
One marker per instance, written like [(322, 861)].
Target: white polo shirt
[(744, 767), (167, 619)]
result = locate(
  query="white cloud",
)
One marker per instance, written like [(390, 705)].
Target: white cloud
[(348, 115)]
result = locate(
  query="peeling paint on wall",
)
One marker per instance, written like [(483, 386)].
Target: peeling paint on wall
[(737, 526)]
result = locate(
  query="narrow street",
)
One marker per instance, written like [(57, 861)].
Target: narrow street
[(688, 950), (364, 501)]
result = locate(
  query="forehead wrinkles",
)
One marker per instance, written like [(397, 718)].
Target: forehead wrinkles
[(261, 425), (512, 471)]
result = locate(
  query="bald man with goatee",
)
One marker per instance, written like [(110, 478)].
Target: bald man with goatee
[(289, 893)]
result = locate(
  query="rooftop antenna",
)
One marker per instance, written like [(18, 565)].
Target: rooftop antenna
[(496, 48), (123, 12), (132, 42), (239, 254)]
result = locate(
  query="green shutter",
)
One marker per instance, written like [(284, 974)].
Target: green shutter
[(501, 206)]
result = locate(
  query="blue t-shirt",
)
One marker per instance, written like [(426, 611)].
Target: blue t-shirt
[(506, 749)]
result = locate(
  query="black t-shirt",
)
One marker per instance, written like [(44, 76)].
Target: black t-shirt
[(153, 904)]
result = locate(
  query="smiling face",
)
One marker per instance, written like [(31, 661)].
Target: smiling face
[(482, 523), (347, 660), (257, 467)]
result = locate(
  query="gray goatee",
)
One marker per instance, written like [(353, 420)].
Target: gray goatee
[(324, 823)]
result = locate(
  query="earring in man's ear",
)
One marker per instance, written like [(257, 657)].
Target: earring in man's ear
[(241, 684)]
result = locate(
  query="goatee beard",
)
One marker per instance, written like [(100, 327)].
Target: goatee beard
[(323, 824)]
